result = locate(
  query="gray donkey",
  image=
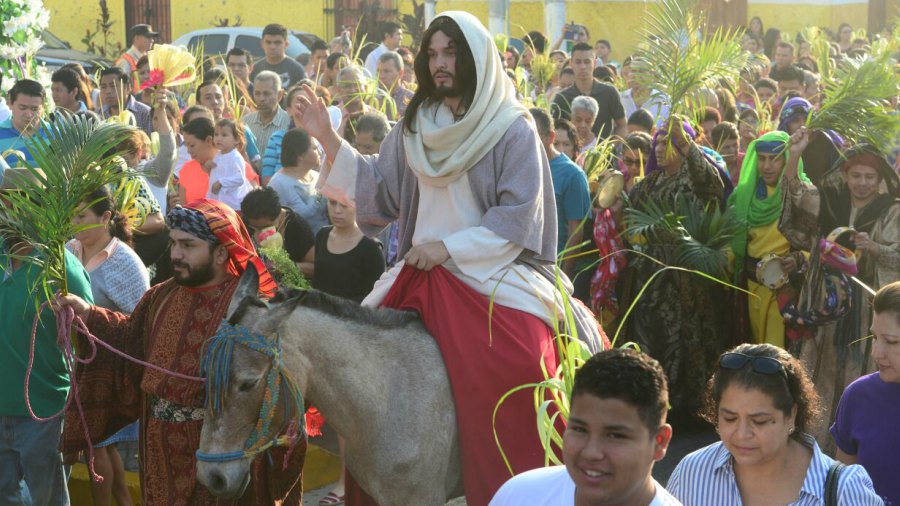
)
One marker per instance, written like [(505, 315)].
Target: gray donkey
[(375, 374)]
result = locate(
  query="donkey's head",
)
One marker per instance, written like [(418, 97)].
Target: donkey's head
[(237, 363)]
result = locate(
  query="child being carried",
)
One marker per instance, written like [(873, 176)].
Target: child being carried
[(227, 179)]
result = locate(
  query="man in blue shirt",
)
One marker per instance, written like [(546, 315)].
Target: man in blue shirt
[(115, 89), (570, 186), (26, 99)]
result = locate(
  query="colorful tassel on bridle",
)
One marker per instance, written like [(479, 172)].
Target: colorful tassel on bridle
[(216, 368)]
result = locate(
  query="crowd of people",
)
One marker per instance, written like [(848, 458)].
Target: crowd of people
[(431, 180)]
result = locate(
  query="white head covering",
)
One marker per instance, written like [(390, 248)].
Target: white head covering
[(441, 154)]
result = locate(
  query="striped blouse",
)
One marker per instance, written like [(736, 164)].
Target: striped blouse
[(706, 478)]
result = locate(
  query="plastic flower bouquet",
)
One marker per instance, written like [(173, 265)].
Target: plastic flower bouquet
[(170, 66), (271, 248)]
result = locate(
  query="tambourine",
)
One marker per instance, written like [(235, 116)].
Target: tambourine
[(770, 273), (840, 232), (609, 187), (836, 255)]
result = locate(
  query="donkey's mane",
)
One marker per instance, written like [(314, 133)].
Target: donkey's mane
[(347, 309)]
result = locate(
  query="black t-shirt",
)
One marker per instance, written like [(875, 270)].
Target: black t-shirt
[(290, 71), (350, 275), (297, 235), (607, 98)]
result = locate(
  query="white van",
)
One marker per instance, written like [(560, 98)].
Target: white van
[(218, 41)]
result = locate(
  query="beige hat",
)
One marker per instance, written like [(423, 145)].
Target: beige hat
[(14, 178)]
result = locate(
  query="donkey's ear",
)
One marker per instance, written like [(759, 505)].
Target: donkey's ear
[(248, 287)]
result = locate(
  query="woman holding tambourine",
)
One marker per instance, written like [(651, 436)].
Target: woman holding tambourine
[(780, 207), (861, 198)]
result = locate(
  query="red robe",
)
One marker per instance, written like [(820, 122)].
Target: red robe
[(482, 367), (167, 328)]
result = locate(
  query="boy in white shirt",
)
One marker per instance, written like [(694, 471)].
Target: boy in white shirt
[(617, 430)]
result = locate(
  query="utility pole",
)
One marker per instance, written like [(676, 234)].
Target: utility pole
[(497, 14), (554, 18), (429, 11)]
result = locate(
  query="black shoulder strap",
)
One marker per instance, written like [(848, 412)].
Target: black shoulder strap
[(831, 483)]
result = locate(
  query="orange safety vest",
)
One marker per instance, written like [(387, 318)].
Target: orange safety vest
[(130, 59)]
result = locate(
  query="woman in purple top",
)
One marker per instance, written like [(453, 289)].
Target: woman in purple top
[(865, 427)]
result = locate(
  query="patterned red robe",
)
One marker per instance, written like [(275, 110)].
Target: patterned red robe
[(167, 328)]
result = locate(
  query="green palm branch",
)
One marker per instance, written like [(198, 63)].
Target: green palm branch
[(856, 103), (820, 48), (600, 158), (73, 155), (502, 42), (677, 60), (685, 232)]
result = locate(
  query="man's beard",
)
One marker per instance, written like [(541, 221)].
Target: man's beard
[(441, 92), (194, 278), (453, 91)]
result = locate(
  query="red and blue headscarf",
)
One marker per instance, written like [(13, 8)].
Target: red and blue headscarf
[(217, 223)]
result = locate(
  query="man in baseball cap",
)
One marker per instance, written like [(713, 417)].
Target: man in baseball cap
[(142, 38)]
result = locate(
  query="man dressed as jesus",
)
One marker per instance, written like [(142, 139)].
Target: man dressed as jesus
[(467, 180)]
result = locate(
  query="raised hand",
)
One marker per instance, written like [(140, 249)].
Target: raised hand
[(313, 113), (799, 141)]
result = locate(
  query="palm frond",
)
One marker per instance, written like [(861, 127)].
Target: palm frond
[(502, 42), (820, 48), (685, 232), (856, 103), (542, 70), (600, 158), (72, 155), (677, 60)]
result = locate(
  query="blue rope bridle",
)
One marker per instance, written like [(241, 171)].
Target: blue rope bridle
[(216, 368)]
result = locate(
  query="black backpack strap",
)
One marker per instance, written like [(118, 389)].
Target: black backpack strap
[(831, 483)]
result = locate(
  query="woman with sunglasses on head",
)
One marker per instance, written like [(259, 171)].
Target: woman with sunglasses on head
[(762, 402), (865, 427)]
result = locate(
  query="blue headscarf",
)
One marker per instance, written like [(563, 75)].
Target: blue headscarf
[(799, 107)]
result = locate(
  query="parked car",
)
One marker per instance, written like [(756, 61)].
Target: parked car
[(218, 41), (57, 52)]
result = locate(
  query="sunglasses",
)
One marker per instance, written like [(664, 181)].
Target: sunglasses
[(763, 365), (631, 161)]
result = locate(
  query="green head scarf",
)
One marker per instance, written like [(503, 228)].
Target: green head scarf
[(751, 200)]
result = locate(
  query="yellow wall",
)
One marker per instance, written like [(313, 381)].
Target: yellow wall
[(620, 21), (855, 14), (303, 15), (525, 17), (792, 18), (475, 7), (70, 19)]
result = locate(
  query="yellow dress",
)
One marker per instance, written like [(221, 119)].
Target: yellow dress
[(766, 322)]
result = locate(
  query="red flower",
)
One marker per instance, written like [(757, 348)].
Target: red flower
[(156, 79)]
